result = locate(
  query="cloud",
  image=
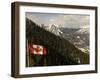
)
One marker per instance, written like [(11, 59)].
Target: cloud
[(66, 20)]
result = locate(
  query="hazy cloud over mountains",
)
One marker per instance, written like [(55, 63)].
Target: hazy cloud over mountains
[(64, 20)]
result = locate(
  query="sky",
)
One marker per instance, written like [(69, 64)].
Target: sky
[(64, 20)]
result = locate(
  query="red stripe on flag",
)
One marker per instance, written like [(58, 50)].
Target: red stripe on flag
[(30, 48), (44, 51)]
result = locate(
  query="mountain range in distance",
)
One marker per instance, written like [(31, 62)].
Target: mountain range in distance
[(77, 36)]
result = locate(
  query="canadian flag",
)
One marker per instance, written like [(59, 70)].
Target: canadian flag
[(36, 49)]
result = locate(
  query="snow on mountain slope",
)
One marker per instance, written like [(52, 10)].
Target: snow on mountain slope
[(83, 30), (53, 29)]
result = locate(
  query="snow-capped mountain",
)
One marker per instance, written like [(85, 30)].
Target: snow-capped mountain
[(54, 29), (78, 36), (83, 30)]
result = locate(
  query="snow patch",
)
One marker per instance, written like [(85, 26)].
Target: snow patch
[(83, 30)]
